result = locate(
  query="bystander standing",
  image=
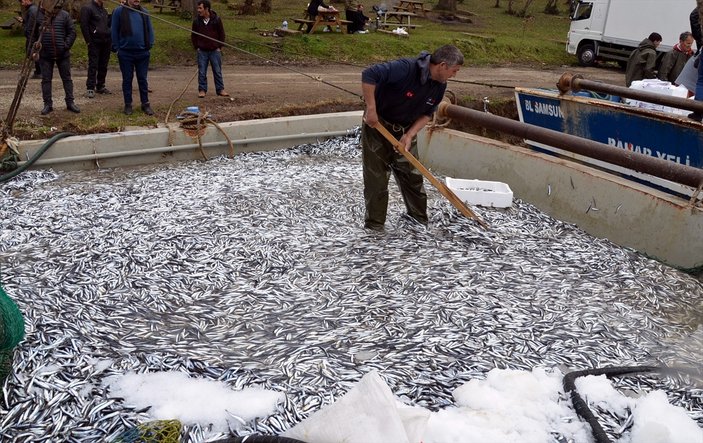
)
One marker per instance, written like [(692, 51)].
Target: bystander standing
[(643, 60), (57, 32), (132, 39), (95, 27), (674, 60), (208, 38)]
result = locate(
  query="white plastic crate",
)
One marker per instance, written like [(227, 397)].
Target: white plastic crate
[(481, 193)]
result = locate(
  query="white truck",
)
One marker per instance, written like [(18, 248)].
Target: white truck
[(611, 29)]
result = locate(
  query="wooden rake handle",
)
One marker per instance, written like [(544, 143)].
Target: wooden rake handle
[(441, 187)]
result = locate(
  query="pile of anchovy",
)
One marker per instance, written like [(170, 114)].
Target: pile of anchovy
[(257, 271)]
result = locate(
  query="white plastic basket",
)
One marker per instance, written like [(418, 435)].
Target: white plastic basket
[(481, 193)]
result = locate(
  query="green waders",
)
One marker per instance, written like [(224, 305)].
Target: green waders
[(379, 160)]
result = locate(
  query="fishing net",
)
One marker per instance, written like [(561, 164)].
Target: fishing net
[(157, 431), (11, 332)]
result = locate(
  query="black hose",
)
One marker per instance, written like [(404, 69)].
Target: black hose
[(580, 405), (35, 157)]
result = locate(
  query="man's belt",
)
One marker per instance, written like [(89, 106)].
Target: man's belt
[(394, 127)]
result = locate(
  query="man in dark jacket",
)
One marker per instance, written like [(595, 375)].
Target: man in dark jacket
[(29, 9), (132, 39), (318, 6), (57, 36), (358, 20), (643, 60), (695, 21), (401, 95), (674, 60), (95, 27), (207, 37)]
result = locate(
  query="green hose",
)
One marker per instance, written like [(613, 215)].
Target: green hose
[(36, 156)]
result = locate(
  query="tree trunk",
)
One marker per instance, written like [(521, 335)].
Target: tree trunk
[(523, 13), (551, 7), (248, 8), (447, 5), (265, 7), (510, 7), (497, 5)]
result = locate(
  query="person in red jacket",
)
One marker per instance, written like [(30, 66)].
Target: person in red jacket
[(208, 37)]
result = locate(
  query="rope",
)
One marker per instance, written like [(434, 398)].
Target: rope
[(170, 108), (491, 85)]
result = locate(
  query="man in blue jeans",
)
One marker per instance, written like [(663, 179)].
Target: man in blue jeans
[(132, 39), (208, 36)]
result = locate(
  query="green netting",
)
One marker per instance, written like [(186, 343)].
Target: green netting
[(11, 332), (5, 364), (158, 431)]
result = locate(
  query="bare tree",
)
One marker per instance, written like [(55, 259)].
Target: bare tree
[(248, 8), (551, 7), (510, 7), (265, 7), (523, 12)]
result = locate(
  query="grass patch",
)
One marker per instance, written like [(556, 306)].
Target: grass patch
[(510, 39)]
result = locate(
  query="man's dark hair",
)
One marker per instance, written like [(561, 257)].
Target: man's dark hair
[(684, 35), (655, 37), (448, 54), (206, 4)]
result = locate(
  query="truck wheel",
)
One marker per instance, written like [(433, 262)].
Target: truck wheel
[(586, 55)]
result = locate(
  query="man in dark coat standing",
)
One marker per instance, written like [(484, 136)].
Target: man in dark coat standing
[(207, 37), (95, 27), (643, 60), (57, 36), (673, 61), (402, 95)]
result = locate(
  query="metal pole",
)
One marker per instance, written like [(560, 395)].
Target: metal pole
[(574, 82), (665, 169), (161, 149)]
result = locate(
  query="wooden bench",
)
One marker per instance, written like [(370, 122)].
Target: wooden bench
[(304, 22), (411, 6), (397, 19)]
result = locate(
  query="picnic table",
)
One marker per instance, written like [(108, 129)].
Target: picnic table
[(411, 6), (12, 23), (397, 19), (330, 18), (184, 8)]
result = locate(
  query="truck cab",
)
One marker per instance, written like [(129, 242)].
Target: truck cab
[(586, 30)]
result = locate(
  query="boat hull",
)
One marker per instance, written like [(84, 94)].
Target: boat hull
[(627, 213), (669, 137)]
